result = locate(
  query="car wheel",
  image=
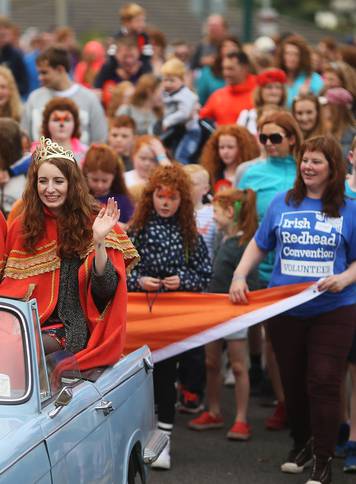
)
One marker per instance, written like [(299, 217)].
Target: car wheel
[(136, 472)]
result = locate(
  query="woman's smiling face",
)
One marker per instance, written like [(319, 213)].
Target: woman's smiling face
[(52, 187)]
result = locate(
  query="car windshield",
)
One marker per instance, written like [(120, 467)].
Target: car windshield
[(14, 376)]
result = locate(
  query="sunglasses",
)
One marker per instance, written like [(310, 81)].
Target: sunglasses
[(275, 138)]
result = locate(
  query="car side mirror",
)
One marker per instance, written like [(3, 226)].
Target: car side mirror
[(62, 400)]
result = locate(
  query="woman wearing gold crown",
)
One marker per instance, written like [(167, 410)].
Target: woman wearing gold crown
[(71, 256)]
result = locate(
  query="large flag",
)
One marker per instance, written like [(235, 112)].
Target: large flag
[(170, 323)]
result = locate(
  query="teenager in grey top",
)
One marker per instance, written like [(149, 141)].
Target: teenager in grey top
[(53, 67)]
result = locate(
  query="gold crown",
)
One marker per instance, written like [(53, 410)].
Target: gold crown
[(48, 149)]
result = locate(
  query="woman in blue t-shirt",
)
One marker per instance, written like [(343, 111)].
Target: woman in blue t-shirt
[(312, 229)]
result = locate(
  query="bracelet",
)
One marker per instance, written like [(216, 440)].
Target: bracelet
[(238, 278), (161, 157)]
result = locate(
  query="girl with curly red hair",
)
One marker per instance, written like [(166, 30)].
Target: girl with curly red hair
[(173, 258), (226, 149)]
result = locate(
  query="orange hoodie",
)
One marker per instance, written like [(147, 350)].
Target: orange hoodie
[(225, 104)]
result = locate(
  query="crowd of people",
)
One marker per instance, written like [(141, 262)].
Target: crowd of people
[(226, 167)]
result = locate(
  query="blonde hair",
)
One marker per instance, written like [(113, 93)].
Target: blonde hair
[(129, 11), (13, 107), (173, 67), (193, 169)]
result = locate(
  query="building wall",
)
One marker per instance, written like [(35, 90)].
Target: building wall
[(178, 19)]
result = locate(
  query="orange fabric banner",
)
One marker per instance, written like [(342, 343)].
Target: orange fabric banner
[(176, 317)]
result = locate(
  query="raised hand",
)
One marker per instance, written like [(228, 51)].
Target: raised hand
[(105, 221)]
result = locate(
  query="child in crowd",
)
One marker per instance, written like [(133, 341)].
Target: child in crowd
[(133, 22), (199, 178), (60, 123), (121, 138), (180, 124), (144, 104), (192, 363), (105, 179), (235, 215), (120, 94), (226, 149), (147, 152), (174, 257)]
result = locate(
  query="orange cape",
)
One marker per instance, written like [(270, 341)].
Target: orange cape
[(37, 275), (180, 321), (3, 232)]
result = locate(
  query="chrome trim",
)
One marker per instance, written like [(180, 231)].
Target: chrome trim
[(154, 446), (106, 407), (148, 364), (28, 361)]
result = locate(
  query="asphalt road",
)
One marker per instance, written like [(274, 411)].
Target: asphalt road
[(209, 458)]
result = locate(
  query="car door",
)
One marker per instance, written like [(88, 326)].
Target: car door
[(127, 389), (78, 439)]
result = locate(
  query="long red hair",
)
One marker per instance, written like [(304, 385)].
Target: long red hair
[(174, 177), (75, 219), (243, 203), (248, 149)]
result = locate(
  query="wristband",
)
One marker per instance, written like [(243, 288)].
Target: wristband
[(161, 157), (238, 278)]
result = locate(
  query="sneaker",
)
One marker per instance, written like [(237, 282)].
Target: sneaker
[(164, 459), (278, 420), (189, 402), (239, 431), (229, 379), (298, 459), (321, 472), (343, 437), (350, 461), (206, 421)]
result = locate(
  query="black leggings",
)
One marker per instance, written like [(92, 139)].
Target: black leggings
[(164, 379)]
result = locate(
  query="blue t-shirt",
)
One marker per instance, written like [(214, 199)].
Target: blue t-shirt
[(308, 246)]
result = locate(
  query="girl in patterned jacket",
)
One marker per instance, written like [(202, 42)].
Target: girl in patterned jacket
[(174, 257)]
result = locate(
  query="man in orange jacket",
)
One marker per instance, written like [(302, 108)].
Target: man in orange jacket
[(225, 104)]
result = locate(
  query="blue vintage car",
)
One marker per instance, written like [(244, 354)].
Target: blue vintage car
[(60, 426)]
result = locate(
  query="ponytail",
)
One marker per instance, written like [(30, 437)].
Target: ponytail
[(243, 203), (247, 220)]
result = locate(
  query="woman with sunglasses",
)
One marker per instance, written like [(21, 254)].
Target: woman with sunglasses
[(281, 138), (312, 229)]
